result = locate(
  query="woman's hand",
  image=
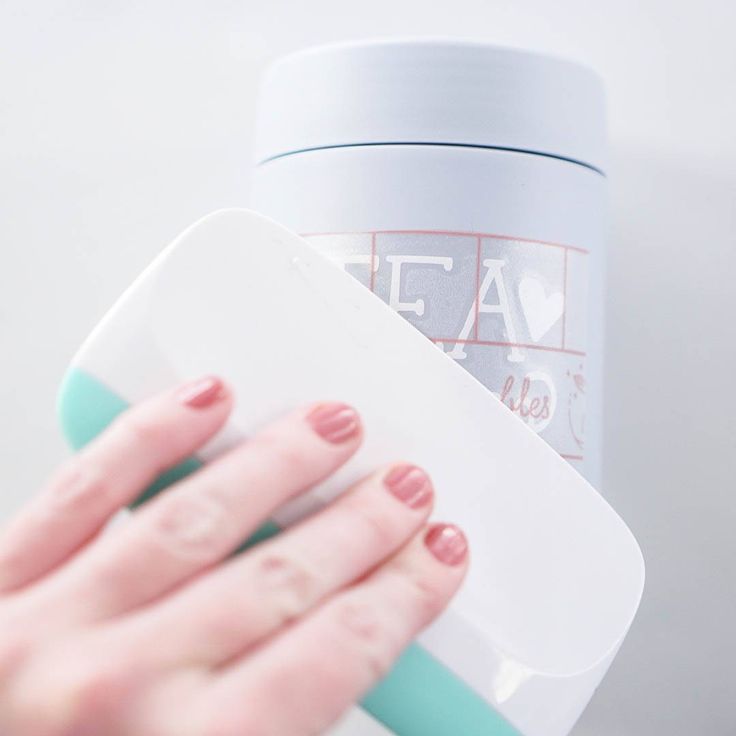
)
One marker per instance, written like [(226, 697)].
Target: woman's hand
[(143, 632)]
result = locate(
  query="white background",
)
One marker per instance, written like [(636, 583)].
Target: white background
[(122, 122)]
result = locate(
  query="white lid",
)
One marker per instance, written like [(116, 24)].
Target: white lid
[(431, 91)]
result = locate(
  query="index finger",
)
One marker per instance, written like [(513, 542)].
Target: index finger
[(107, 474)]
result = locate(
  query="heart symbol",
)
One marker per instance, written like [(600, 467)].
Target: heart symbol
[(540, 311)]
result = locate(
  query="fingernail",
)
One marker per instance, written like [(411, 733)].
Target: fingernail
[(447, 543), (334, 422), (409, 484), (201, 393)]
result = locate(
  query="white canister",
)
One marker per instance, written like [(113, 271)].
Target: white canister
[(464, 184)]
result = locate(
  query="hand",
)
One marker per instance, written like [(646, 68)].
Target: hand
[(145, 631)]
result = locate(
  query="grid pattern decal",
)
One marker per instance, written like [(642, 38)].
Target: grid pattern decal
[(510, 310)]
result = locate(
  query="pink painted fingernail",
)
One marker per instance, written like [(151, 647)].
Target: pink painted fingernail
[(447, 543), (201, 393), (335, 423), (409, 484)]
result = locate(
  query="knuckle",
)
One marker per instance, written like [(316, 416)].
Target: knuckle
[(291, 588), (78, 484), (90, 696), (14, 652), (378, 525), (142, 430), (427, 597), (69, 703), (360, 624), (90, 693), (281, 450), (191, 525)]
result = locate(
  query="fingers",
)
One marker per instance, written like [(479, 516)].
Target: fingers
[(109, 473), (307, 677), (217, 618), (208, 515)]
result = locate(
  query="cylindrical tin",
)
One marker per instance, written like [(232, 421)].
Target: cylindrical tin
[(463, 183)]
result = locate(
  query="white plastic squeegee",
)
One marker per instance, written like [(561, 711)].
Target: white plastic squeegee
[(556, 576)]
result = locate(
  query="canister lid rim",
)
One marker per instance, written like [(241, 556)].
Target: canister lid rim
[(451, 144), (432, 91)]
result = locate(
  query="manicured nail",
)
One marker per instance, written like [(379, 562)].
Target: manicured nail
[(201, 393), (334, 422), (409, 484), (447, 543)]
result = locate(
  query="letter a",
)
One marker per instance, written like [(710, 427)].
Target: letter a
[(493, 275)]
